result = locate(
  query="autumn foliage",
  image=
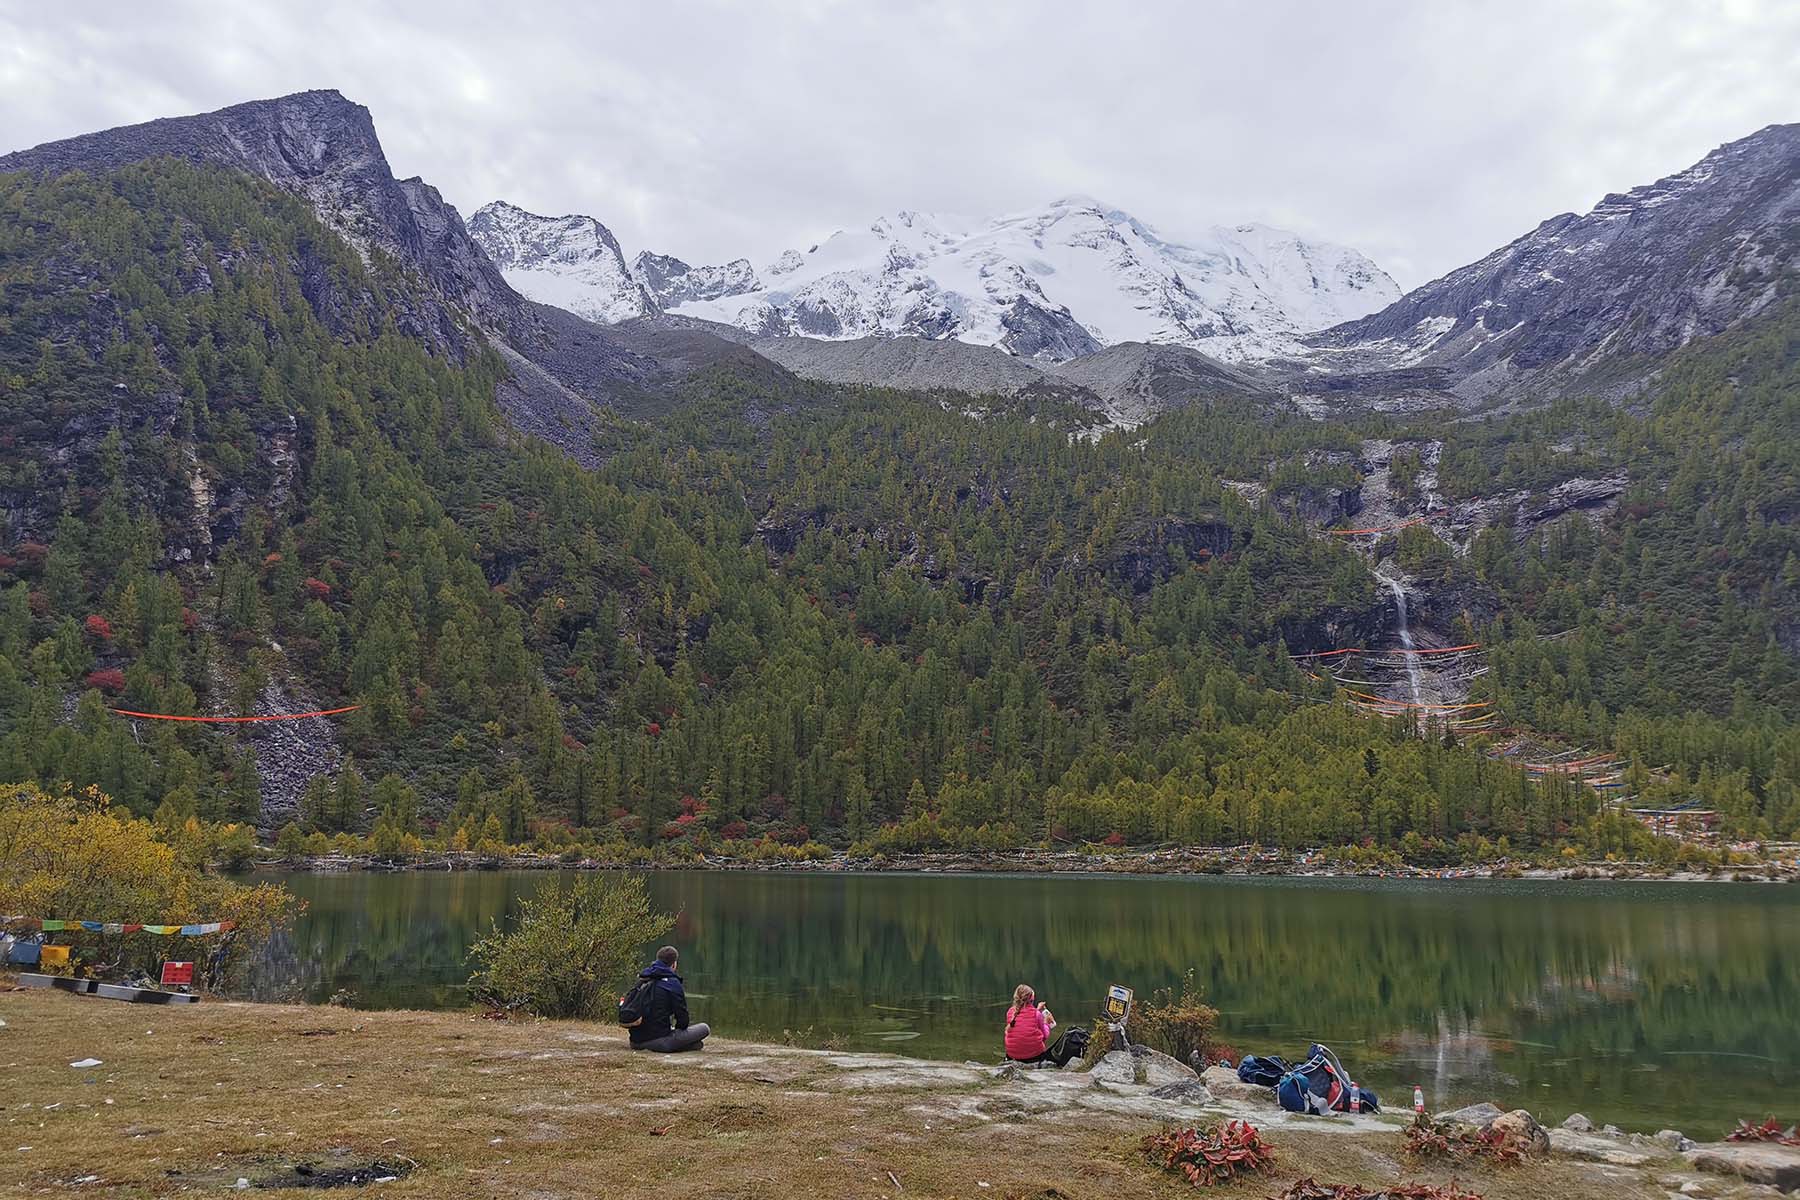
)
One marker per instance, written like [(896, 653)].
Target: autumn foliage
[(1216, 1154)]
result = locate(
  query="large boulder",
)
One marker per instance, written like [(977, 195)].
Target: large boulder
[(1224, 1083), (1185, 1091), (1756, 1162), (1158, 1069), (1482, 1114), (1521, 1129), (1140, 1064), (1115, 1066)]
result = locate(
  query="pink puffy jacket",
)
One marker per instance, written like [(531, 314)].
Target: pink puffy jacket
[(1027, 1032)]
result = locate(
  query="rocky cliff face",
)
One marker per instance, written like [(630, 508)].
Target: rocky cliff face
[(322, 148), (1643, 273)]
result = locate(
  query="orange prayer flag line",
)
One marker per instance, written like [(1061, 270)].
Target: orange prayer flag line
[(324, 712), (1380, 653)]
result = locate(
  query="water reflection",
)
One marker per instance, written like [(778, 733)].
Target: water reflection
[(1642, 1004)]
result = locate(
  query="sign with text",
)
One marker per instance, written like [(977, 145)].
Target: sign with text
[(1118, 1003), (177, 972)]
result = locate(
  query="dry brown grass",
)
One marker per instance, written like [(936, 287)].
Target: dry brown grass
[(191, 1099)]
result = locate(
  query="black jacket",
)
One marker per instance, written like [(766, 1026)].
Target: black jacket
[(665, 1009)]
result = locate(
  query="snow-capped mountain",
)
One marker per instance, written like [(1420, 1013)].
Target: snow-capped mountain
[(1052, 284), (573, 262), (1059, 282)]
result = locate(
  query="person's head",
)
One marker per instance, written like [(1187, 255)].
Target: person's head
[(1023, 996), (668, 956)]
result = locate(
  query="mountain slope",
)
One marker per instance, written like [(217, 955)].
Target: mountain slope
[(572, 262), (322, 148), (426, 272), (1640, 275), (1137, 381)]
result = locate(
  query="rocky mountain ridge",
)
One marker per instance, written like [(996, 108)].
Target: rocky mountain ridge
[(1641, 274)]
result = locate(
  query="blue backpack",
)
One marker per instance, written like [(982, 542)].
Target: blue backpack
[(1261, 1071), (1321, 1085)]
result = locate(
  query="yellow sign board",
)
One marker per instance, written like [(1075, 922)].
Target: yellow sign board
[(1118, 1003)]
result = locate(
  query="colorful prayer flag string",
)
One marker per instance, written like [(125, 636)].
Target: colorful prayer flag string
[(53, 925)]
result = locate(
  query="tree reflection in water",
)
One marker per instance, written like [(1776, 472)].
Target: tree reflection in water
[(1647, 1005)]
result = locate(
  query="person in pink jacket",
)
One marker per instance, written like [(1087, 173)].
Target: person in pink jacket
[(1028, 1026)]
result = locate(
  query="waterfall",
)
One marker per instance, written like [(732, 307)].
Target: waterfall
[(1414, 677)]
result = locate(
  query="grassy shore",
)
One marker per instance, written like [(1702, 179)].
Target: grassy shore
[(193, 1099)]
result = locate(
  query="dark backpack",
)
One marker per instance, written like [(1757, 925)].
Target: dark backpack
[(1263, 1070), (1321, 1085), (634, 1005)]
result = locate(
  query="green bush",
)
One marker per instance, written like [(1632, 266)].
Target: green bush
[(573, 946), (1178, 1024)]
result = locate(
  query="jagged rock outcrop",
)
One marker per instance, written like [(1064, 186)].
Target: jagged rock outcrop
[(671, 282)]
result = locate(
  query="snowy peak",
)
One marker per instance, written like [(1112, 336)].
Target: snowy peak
[(573, 262), (1057, 282)]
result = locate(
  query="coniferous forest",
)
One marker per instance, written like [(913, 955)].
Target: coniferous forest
[(787, 612)]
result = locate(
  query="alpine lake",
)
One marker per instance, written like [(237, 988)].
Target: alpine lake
[(1651, 1006)]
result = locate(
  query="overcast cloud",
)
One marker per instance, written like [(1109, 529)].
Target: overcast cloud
[(1424, 134)]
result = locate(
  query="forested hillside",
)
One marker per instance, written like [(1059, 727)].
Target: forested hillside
[(835, 614)]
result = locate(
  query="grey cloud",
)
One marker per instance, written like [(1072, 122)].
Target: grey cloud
[(1424, 134)]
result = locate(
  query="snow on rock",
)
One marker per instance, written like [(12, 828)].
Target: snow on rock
[(573, 262), (671, 282)]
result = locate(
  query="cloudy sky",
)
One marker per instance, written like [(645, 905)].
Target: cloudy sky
[(1424, 134)]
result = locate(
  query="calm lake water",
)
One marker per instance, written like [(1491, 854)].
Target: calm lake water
[(1646, 1005)]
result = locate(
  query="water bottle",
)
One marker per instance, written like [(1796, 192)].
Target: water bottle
[(1418, 1100), (1355, 1097)]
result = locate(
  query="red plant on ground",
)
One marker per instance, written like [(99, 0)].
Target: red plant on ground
[(99, 627), (318, 589), (1770, 1130), (1216, 1154), (1306, 1189), (1446, 1139)]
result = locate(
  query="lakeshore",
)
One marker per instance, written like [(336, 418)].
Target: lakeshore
[(1784, 868), (450, 1105)]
